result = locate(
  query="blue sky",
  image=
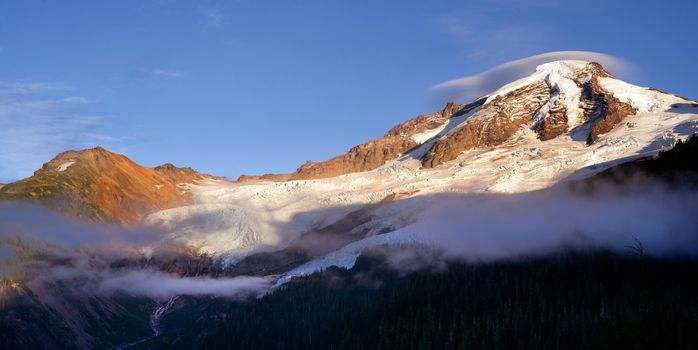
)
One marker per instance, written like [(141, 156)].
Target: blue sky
[(233, 87)]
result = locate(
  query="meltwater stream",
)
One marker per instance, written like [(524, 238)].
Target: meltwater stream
[(155, 319), (157, 315)]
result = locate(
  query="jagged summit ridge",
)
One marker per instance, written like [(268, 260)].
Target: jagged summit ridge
[(577, 100), (558, 98)]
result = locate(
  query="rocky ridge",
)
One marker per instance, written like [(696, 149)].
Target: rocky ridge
[(563, 98), (99, 185), (372, 154)]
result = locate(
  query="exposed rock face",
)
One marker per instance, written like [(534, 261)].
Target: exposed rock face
[(615, 112), (372, 154), (424, 122), (500, 118), (602, 109), (180, 175), (364, 157), (185, 262), (555, 124), (495, 123), (265, 177), (98, 185), (557, 98)]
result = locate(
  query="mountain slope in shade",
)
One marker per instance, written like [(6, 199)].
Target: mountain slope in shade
[(567, 120), (98, 185)]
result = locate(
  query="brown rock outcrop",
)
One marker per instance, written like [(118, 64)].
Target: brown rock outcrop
[(364, 157), (181, 175), (555, 124), (265, 177), (491, 125), (602, 109), (372, 154), (615, 112)]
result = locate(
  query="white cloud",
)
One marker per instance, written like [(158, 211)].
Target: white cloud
[(481, 34), (473, 86), (214, 17), (165, 73), (159, 285), (38, 120), (22, 88)]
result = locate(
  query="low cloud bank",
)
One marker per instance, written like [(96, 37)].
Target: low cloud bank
[(159, 285), (495, 227), (469, 227), (44, 247), (486, 226), (40, 226)]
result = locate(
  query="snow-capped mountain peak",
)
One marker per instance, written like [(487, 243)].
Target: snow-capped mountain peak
[(568, 119)]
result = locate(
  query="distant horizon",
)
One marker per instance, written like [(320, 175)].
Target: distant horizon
[(232, 88)]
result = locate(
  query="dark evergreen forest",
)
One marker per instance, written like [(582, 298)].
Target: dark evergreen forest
[(574, 300)]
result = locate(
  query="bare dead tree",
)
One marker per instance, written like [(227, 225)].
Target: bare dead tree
[(637, 247)]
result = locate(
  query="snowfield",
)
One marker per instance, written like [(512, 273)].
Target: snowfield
[(232, 220)]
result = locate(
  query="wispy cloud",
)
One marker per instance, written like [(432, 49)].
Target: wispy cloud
[(22, 88), (484, 36), (214, 17), (86, 251), (456, 26), (39, 120), (165, 73)]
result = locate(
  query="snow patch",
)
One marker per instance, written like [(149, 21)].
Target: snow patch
[(427, 135), (346, 256), (65, 166), (550, 72), (643, 99)]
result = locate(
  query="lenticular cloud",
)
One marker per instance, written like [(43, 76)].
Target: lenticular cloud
[(480, 84)]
